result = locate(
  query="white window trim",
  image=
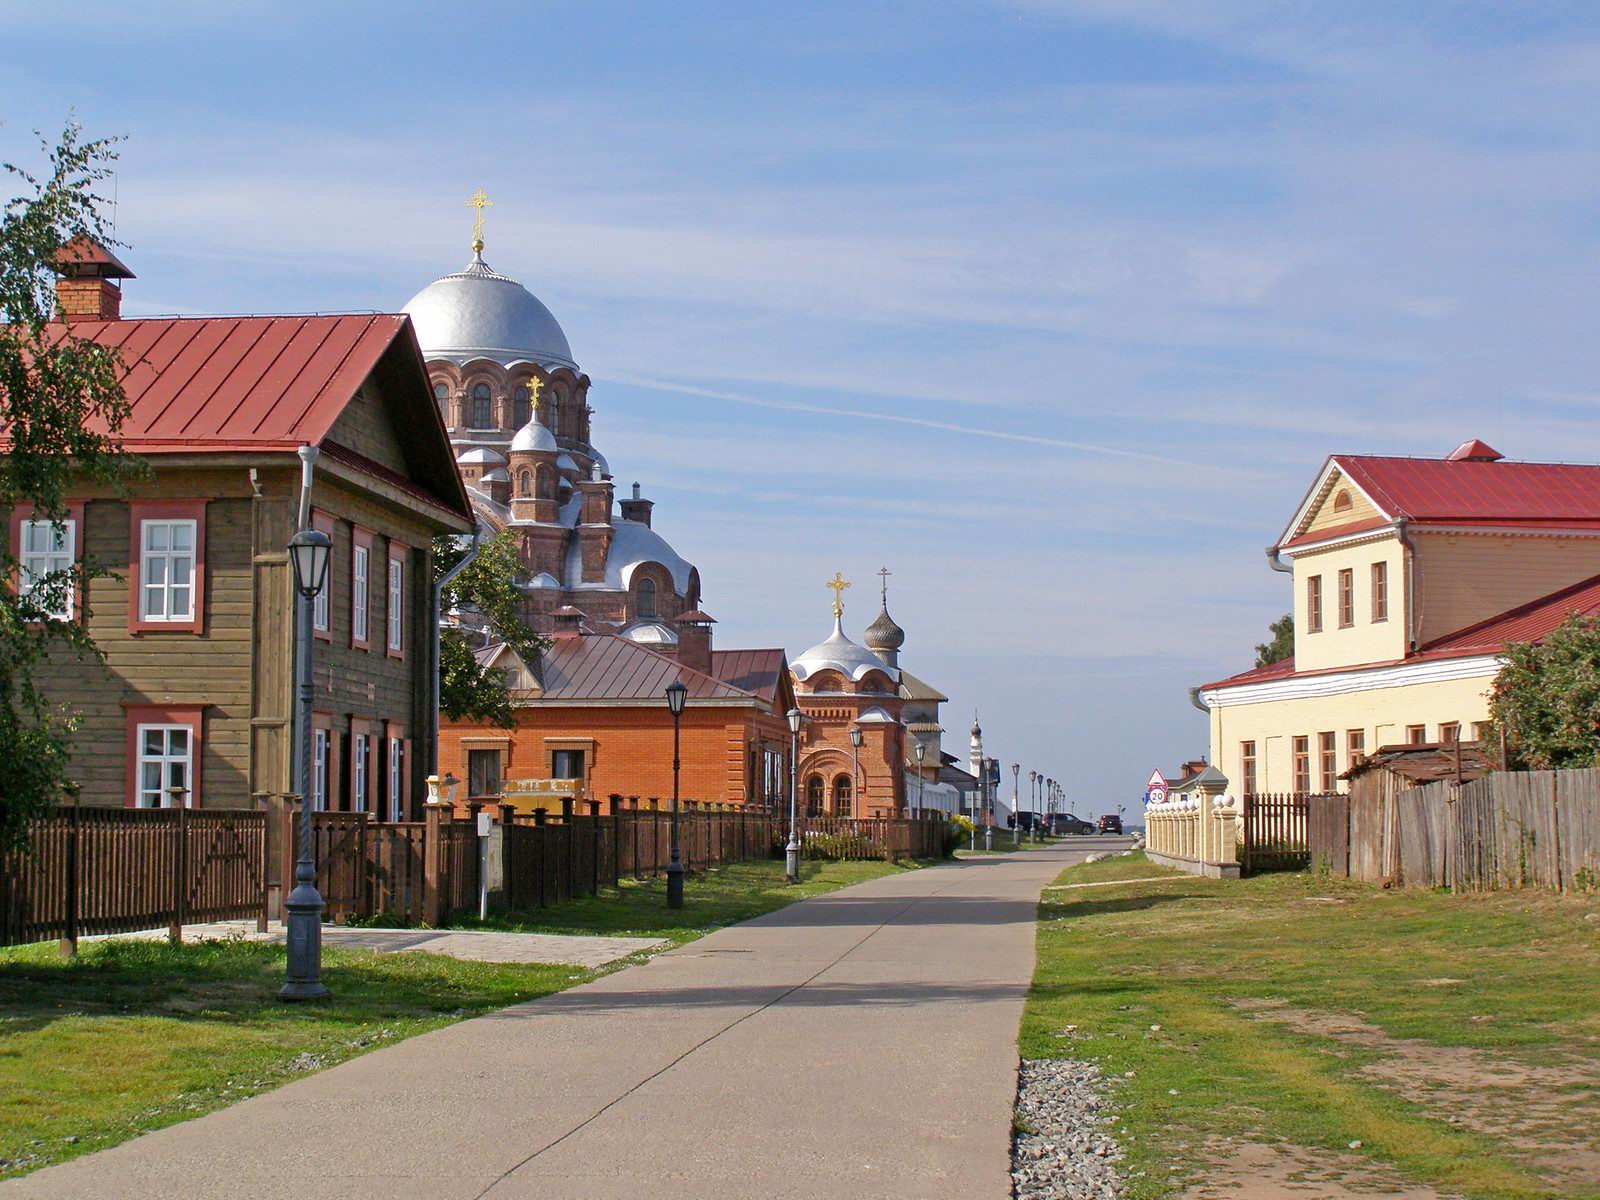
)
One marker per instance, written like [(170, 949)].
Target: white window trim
[(397, 577), (360, 574), (320, 746), (360, 746), (65, 556), (165, 758), (396, 777), (322, 606), (168, 556)]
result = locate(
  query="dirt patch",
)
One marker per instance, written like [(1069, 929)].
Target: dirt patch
[(1549, 1116), (1251, 1171)]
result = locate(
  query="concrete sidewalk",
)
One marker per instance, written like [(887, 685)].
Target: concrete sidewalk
[(860, 1045)]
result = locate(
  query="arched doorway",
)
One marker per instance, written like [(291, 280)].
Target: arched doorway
[(843, 797), (814, 796)]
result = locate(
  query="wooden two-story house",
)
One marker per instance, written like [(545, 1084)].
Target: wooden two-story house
[(193, 701)]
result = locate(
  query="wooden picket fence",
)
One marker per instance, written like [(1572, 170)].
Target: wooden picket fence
[(872, 838), (1274, 833), (84, 871), (1516, 829)]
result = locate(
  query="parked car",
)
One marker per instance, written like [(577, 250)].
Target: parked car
[(1110, 824), (1068, 824)]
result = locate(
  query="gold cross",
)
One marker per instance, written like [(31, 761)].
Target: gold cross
[(535, 385), (838, 583), (480, 202)]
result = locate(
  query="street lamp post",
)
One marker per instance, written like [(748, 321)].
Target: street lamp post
[(919, 750), (990, 773), (309, 551), (791, 853), (855, 770), (1016, 800), (676, 695)]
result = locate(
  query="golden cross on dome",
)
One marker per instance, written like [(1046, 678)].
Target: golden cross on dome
[(838, 583), (480, 202), (535, 385)]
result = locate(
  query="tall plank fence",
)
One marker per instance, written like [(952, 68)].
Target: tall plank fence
[(1274, 833), (1519, 829), (85, 871), (112, 870)]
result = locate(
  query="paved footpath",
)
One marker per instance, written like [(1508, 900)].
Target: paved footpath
[(858, 1045)]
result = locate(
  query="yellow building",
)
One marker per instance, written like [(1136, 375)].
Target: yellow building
[(1410, 576)]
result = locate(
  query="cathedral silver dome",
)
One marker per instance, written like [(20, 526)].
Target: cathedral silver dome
[(478, 313)]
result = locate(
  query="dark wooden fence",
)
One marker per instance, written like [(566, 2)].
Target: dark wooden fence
[(116, 870), (1274, 835), (1514, 829), (112, 870)]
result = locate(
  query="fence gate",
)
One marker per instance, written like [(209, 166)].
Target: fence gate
[(1275, 833)]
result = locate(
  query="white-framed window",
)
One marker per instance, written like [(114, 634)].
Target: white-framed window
[(358, 772), (396, 779), (358, 592), (319, 770), (166, 761), (47, 548), (397, 581), (166, 570), (320, 606)]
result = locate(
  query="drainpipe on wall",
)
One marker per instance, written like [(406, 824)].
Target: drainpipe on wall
[(1194, 699), (438, 667), (1276, 563), (1408, 565)]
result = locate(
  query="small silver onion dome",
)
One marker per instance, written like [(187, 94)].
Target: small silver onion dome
[(534, 436)]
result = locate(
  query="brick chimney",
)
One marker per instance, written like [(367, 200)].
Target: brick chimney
[(568, 622), (694, 640), (637, 508), (88, 284)]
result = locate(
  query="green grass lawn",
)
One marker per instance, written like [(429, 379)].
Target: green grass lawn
[(712, 898), (134, 1035), (1455, 1038)]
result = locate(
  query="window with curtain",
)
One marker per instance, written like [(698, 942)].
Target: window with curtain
[(166, 758), (166, 570), (483, 773), (49, 549)]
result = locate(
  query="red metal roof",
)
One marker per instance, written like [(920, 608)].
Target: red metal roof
[(1530, 622), (239, 383), (606, 667), (1502, 493), (755, 671)]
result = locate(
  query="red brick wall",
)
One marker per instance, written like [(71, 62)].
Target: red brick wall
[(632, 752)]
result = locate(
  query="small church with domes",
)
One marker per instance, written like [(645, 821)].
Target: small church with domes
[(516, 407)]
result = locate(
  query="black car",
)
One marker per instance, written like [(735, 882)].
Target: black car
[(1110, 824), (1068, 824)]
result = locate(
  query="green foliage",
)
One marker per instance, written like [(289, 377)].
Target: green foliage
[(1281, 644), (1545, 701), (957, 833), (485, 593), (61, 405)]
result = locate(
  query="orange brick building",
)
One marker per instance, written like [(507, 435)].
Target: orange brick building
[(594, 711)]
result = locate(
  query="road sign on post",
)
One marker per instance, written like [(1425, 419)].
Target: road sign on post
[(1155, 791)]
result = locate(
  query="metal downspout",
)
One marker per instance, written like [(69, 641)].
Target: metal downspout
[(1408, 564), (438, 600)]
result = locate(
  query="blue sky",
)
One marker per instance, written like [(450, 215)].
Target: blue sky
[(1053, 308)]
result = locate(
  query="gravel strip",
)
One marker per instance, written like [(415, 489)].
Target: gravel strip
[(1062, 1150)]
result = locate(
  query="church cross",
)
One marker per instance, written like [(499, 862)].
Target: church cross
[(838, 583), (884, 573), (480, 202), (535, 385)]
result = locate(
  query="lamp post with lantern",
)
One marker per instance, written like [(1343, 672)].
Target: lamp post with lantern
[(859, 800), (677, 694), (309, 551), (1016, 800), (791, 852), (919, 750)]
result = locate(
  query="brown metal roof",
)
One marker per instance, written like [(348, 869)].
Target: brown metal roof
[(756, 671), (912, 688), (85, 256), (606, 667), (1427, 762)]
